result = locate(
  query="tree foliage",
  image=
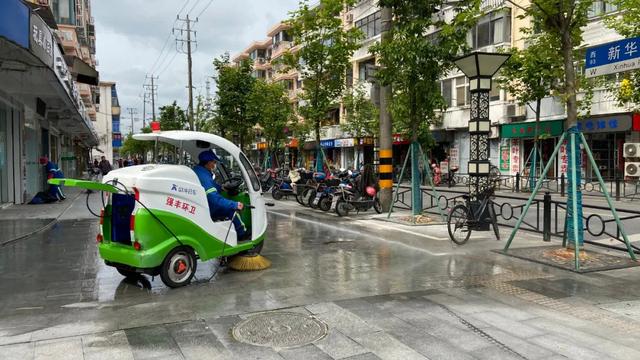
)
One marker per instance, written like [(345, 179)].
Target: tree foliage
[(268, 103), (136, 148), (322, 56), (173, 117), (413, 64), (627, 24), (234, 87), (531, 74), (563, 22), (361, 113)]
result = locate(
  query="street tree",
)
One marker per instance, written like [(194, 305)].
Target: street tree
[(173, 117), (627, 24), (412, 64), (322, 57), (136, 148), (234, 87), (563, 21), (268, 104), (530, 75), (362, 116)]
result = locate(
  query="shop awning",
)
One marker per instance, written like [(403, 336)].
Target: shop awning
[(528, 129), (82, 71)]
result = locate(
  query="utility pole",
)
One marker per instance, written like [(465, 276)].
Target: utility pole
[(385, 141), (132, 112), (180, 42), (144, 110), (153, 91)]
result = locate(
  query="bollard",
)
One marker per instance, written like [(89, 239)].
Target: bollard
[(546, 222), (618, 188), (562, 185), (517, 182)]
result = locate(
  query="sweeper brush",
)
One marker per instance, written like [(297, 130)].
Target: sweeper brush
[(252, 262)]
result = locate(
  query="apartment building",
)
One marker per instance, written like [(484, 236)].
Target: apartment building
[(511, 138), (42, 109), (108, 123)]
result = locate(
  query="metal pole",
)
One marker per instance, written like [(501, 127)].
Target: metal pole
[(153, 100), (546, 223), (190, 75), (533, 194), (398, 186), (385, 177), (433, 187), (574, 203), (606, 195), (416, 193)]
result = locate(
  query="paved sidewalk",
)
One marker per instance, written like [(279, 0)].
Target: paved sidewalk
[(20, 221)]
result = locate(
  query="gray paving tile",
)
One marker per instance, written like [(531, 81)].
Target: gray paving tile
[(346, 322), (196, 341), (494, 352), (517, 328), (523, 347), (107, 346), (386, 346), (307, 352), (152, 342), (24, 351), (366, 356), (567, 347), (68, 349), (339, 346)]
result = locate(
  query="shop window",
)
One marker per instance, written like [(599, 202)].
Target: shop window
[(601, 7), (350, 77)]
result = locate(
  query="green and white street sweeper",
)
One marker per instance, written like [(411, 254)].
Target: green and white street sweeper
[(156, 217)]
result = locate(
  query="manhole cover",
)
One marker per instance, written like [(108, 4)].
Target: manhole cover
[(279, 329)]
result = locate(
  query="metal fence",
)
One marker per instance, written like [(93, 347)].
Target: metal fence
[(618, 188), (546, 216)]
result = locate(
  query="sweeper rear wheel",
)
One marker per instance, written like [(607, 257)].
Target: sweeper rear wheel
[(178, 267)]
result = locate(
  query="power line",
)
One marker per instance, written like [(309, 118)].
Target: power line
[(193, 7), (168, 64), (183, 6), (205, 8), (161, 51)]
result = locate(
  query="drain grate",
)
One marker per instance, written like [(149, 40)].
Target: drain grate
[(279, 330)]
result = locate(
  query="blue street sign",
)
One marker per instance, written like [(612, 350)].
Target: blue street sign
[(613, 57)]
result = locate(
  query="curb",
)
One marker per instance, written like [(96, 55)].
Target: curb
[(44, 227)]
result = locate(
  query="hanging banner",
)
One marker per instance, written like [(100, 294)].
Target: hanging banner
[(505, 158), (564, 159), (454, 157), (515, 156)]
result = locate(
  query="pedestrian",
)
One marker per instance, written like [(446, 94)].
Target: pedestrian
[(104, 166), (120, 164), (53, 172), (135, 161)]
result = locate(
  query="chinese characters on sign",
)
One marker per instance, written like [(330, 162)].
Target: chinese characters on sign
[(41, 40), (515, 156), (186, 207), (454, 159), (505, 157), (564, 160), (613, 57)]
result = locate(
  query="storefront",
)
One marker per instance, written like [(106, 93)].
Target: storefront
[(517, 142), (347, 153), (364, 151), (606, 135)]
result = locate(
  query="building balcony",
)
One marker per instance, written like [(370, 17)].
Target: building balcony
[(115, 110), (85, 91)]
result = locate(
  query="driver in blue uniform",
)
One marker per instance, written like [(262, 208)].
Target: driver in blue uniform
[(220, 208)]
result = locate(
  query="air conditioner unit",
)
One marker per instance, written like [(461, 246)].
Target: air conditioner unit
[(632, 169), (349, 18), (631, 150)]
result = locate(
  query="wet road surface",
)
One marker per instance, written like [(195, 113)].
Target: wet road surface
[(383, 293)]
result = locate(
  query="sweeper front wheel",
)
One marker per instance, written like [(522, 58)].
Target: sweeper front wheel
[(178, 267)]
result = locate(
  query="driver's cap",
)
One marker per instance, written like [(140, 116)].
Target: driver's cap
[(208, 155)]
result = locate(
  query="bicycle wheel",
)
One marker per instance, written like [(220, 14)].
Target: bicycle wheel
[(458, 224)]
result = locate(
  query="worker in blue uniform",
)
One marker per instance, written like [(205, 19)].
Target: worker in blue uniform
[(220, 208), (53, 172)]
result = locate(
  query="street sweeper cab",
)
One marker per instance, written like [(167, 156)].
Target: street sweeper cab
[(156, 217)]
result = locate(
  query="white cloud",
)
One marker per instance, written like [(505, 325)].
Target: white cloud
[(130, 35)]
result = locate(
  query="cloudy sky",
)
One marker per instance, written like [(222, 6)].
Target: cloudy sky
[(130, 35)]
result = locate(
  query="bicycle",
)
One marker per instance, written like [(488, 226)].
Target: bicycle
[(463, 218)]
